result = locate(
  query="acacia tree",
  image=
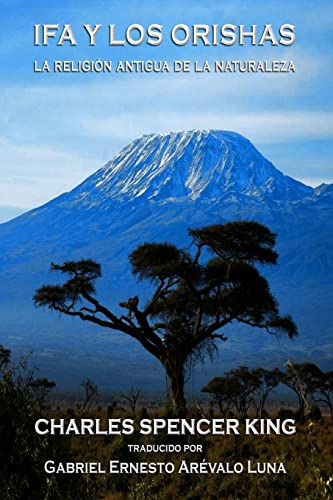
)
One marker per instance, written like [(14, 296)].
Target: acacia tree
[(303, 379), (195, 295), (237, 390), (222, 390), (240, 388), (268, 381), (324, 390), (132, 398)]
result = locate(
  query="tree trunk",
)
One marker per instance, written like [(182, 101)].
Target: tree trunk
[(262, 406), (331, 409), (302, 411), (175, 373)]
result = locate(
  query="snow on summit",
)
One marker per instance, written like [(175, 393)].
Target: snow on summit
[(196, 164), (178, 172)]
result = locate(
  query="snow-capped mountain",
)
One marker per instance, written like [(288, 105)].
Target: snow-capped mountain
[(154, 190), (198, 164), (220, 170)]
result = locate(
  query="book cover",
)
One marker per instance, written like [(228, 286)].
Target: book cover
[(166, 250)]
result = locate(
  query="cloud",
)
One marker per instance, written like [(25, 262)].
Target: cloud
[(82, 115), (260, 127), (32, 175), (56, 132)]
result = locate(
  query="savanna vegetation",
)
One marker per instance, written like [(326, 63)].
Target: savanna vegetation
[(195, 293), (307, 455)]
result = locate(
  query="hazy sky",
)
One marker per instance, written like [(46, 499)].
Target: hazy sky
[(56, 129)]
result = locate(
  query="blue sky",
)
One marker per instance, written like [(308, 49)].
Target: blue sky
[(56, 129)]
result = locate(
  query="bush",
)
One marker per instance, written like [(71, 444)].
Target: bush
[(22, 451)]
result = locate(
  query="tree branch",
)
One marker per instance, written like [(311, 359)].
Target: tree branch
[(161, 291)]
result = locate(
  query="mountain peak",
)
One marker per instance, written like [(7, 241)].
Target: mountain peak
[(194, 164), (196, 132), (323, 189)]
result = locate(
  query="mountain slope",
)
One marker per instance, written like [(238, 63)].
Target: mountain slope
[(154, 189), (181, 169), (195, 165)]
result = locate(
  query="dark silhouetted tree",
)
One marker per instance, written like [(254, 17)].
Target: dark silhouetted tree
[(302, 378), (4, 357), (241, 388), (132, 398), (222, 393), (41, 388), (195, 295), (324, 390), (236, 390), (90, 393), (268, 380)]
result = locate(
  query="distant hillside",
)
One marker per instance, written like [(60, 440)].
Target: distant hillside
[(153, 190)]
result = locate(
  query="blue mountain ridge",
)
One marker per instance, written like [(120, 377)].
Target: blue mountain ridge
[(154, 190)]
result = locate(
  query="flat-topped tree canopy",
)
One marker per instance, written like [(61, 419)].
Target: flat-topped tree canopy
[(241, 240), (197, 292)]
